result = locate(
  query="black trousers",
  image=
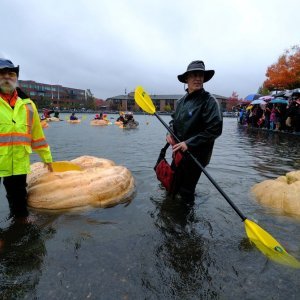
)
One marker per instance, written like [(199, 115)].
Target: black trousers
[(16, 194), (187, 177)]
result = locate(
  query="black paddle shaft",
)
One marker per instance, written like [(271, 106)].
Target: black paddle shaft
[(242, 216)]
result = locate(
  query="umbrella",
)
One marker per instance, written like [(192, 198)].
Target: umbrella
[(279, 100), (266, 98), (252, 97), (258, 101), (280, 94), (288, 93), (294, 92)]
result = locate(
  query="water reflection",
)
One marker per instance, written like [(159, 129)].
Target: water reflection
[(22, 251), (183, 250), (273, 153)]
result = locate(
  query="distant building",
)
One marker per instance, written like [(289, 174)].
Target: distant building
[(53, 95), (162, 103), (100, 104)]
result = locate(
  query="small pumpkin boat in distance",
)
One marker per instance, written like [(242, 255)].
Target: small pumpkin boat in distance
[(74, 121), (99, 123)]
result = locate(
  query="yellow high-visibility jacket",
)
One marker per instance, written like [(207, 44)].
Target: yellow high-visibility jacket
[(20, 133)]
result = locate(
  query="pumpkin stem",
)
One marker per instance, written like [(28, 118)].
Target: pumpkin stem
[(291, 179)]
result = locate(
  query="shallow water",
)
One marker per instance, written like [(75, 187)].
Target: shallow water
[(154, 248)]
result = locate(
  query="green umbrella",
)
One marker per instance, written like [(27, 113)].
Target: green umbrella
[(279, 100)]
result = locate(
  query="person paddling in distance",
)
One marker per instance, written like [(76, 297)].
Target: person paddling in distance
[(99, 116), (197, 122), (73, 117), (121, 117), (21, 131), (56, 115)]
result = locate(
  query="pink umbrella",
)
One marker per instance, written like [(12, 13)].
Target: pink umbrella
[(258, 101), (266, 98)]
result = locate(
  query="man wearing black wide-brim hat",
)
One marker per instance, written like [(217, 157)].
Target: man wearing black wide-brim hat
[(197, 122)]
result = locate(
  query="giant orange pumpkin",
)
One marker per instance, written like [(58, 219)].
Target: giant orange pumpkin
[(282, 193), (84, 181)]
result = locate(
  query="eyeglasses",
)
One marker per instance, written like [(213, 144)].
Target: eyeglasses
[(4, 73)]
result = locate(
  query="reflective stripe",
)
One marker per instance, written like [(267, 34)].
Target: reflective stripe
[(15, 134), (13, 139), (29, 116), (40, 143), (15, 143), (39, 147)]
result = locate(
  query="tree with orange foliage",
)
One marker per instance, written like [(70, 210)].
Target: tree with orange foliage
[(285, 74), (232, 101)]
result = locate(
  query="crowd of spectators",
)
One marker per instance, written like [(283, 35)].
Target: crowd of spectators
[(273, 116)]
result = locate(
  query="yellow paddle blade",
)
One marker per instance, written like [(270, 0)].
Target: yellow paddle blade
[(143, 100), (269, 246), (83, 118), (63, 166)]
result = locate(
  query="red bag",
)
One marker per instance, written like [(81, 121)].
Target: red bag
[(164, 172)]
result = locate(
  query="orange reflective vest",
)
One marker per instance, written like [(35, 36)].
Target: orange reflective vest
[(20, 132)]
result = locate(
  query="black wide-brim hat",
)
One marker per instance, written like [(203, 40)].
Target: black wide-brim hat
[(6, 64), (197, 65)]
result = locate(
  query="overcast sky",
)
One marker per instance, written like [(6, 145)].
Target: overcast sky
[(109, 46)]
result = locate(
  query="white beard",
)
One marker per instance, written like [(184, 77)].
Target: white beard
[(7, 86)]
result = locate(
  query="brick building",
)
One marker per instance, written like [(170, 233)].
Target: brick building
[(162, 103), (53, 95)]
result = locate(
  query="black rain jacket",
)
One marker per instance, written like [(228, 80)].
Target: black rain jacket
[(198, 122)]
